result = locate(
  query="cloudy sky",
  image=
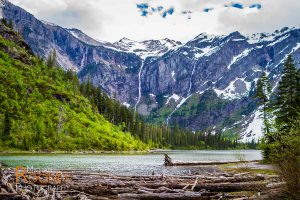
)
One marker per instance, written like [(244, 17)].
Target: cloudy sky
[(111, 20)]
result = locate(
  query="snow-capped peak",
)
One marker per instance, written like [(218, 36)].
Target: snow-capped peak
[(48, 23), (204, 36), (146, 48), (87, 39), (127, 40), (267, 37)]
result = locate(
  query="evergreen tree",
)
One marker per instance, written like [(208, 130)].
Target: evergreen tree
[(11, 24), (4, 22), (89, 86), (287, 103), (298, 88), (263, 92), (52, 59)]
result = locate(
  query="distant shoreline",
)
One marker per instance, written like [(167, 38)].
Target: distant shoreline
[(111, 152), (73, 152)]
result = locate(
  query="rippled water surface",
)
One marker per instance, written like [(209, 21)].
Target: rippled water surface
[(127, 163)]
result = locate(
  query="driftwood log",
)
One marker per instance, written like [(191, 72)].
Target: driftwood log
[(170, 162)]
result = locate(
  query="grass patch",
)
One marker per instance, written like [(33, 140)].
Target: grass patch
[(234, 168)]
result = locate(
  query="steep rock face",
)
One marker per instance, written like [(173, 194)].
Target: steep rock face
[(207, 83), (115, 69)]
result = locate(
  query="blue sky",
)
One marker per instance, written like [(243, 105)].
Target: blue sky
[(110, 20)]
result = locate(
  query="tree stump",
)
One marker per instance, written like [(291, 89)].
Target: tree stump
[(168, 160)]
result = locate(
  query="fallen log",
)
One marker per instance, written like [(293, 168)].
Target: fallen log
[(232, 187), (170, 162), (157, 196), (10, 196)]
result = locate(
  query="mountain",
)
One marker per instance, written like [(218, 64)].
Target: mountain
[(42, 106), (204, 84)]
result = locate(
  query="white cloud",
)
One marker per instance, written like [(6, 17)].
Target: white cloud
[(274, 14), (113, 19)]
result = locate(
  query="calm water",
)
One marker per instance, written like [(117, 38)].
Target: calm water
[(129, 163)]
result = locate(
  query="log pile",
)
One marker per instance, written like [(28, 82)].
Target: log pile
[(83, 185), (170, 162)]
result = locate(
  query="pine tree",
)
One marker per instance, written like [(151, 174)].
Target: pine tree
[(4, 22), (298, 88), (287, 103), (262, 94), (89, 86), (11, 24), (52, 59), (49, 61)]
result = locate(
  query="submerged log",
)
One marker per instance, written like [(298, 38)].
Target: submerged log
[(170, 162)]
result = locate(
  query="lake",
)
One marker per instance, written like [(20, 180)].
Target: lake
[(140, 164)]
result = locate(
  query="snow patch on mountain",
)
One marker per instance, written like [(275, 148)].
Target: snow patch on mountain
[(259, 38), (207, 51), (126, 104), (269, 37), (239, 57), (1, 8), (173, 75), (238, 40), (279, 40), (236, 89), (294, 49), (74, 33), (183, 100), (253, 129), (174, 96), (48, 23)]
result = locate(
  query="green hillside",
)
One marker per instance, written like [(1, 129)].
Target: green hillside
[(42, 108)]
